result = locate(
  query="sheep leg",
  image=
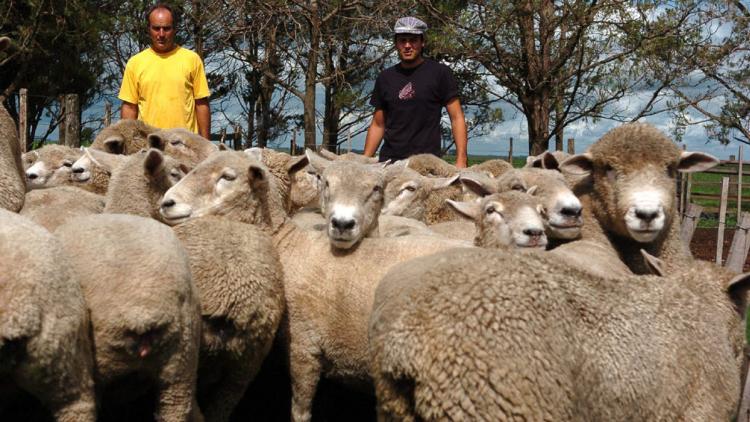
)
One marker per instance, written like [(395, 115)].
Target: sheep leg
[(177, 403), (395, 399), (221, 401), (304, 370)]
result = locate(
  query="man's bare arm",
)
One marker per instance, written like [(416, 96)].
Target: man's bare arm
[(458, 127), (203, 113), (128, 110), (375, 133)]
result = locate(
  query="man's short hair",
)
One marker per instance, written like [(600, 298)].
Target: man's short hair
[(165, 7)]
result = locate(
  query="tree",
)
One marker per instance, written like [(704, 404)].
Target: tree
[(56, 52), (573, 59)]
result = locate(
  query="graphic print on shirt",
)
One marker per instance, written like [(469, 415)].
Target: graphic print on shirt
[(407, 92)]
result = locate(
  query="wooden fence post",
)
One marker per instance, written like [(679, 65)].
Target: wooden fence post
[(107, 114), (237, 138), (722, 219), (72, 121), (689, 223), (571, 146), (738, 251), (223, 136), (293, 144), (349, 141), (739, 185), (23, 118), (510, 151)]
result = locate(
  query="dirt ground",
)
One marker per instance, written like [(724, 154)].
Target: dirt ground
[(703, 244)]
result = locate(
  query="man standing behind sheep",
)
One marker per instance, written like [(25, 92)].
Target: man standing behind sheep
[(165, 85), (408, 99)]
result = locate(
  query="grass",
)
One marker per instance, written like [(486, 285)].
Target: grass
[(710, 184)]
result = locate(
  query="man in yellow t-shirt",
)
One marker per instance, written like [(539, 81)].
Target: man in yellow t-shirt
[(165, 84)]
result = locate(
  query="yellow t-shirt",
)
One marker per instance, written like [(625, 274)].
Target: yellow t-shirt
[(165, 87)]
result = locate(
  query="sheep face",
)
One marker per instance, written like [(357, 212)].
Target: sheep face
[(406, 192), (351, 198), (506, 219), (304, 183), (632, 173), (51, 166), (228, 183), (186, 146)]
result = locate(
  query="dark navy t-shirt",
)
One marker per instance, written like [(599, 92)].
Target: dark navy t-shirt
[(412, 101)]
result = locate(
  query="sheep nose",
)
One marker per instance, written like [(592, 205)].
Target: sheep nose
[(341, 224), (571, 211), (647, 215), (77, 169), (167, 203), (32, 176), (533, 232)]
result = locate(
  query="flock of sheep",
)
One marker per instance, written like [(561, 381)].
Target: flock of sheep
[(560, 291)]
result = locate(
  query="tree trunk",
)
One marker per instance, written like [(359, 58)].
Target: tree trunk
[(537, 116), (330, 117), (198, 27), (311, 76)]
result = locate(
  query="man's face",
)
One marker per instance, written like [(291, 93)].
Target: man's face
[(161, 31), (409, 47)]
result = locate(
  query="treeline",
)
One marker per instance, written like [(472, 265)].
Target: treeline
[(556, 62)]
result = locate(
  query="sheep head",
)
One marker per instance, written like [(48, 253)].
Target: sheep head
[(186, 146), (51, 166), (228, 183), (351, 198), (631, 176), (406, 191), (508, 219)]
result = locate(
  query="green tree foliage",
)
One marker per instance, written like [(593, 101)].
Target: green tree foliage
[(57, 51)]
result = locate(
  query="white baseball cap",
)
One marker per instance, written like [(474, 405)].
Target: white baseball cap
[(409, 25)]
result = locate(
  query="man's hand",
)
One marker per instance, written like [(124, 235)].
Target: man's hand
[(375, 133), (128, 110), (458, 127), (203, 115)]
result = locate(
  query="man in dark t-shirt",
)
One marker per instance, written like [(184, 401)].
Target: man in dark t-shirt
[(408, 100)]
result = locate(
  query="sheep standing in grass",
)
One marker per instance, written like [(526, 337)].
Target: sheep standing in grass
[(51, 208), (329, 293), (139, 183), (45, 347), (144, 309), (94, 169), (50, 166), (126, 137), (629, 192), (182, 144), (239, 281), (12, 179), (544, 340)]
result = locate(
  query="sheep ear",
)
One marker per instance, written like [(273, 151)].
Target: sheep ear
[(437, 183), (153, 161), (256, 176), (328, 155), (474, 183), (654, 264), (296, 164), (255, 153), (549, 161), (316, 161), (156, 141), (691, 162), (184, 168), (579, 164), (114, 145), (397, 165), (532, 190), (223, 147), (471, 209), (737, 291)]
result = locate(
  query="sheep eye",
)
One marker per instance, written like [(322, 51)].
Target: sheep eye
[(519, 188), (490, 210), (67, 164), (228, 176), (377, 189), (410, 188), (175, 142), (174, 173)]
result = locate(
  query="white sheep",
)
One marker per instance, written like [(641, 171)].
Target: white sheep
[(126, 136), (144, 308), (49, 166), (186, 146), (628, 192), (93, 170), (490, 335), (137, 185), (12, 179), (45, 347), (52, 207), (328, 294), (238, 277)]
